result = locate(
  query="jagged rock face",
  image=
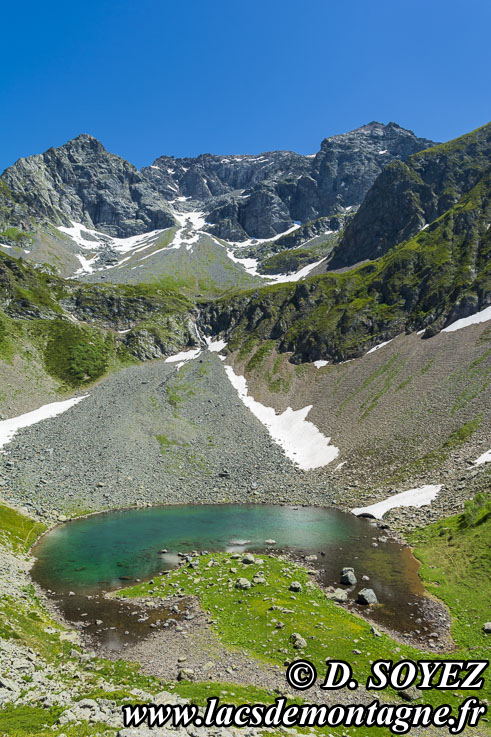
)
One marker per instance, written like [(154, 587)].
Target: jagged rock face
[(210, 176), (408, 196), (243, 196), (261, 196), (82, 182), (347, 165)]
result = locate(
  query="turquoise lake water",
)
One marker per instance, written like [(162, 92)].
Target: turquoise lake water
[(108, 551)]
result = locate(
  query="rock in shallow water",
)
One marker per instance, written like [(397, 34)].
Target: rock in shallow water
[(367, 596), (348, 577)]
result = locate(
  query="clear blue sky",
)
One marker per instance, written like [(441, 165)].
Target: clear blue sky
[(153, 77)]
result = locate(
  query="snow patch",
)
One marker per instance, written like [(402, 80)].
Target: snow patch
[(300, 274), (184, 356), (383, 152), (411, 498), (482, 316), (320, 364), (485, 458), (8, 428), (250, 265), (377, 347), (87, 264), (256, 241), (99, 240), (301, 440), (215, 346)]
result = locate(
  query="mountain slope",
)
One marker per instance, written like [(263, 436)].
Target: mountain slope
[(58, 335), (440, 274), (406, 197)]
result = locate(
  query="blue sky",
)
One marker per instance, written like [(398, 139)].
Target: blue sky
[(153, 77)]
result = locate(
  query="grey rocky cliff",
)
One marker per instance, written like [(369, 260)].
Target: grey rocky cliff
[(261, 196), (80, 181), (242, 196)]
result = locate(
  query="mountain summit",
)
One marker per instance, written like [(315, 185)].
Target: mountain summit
[(243, 196)]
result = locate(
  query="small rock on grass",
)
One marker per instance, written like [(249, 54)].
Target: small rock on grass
[(242, 583), (298, 641)]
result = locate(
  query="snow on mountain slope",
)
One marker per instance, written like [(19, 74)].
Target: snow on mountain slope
[(148, 255)]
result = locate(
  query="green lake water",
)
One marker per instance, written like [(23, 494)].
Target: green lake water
[(108, 551)]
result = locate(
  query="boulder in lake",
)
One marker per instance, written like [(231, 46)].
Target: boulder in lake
[(367, 596), (348, 577)]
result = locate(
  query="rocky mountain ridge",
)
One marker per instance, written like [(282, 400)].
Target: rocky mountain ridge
[(439, 275), (261, 196), (243, 196)]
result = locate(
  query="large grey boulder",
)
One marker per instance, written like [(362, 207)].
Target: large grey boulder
[(367, 596)]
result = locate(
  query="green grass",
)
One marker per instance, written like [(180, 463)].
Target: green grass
[(165, 442), (456, 558), (246, 619), (257, 360), (35, 721), (18, 531), (76, 354), (14, 235), (27, 720), (434, 458)]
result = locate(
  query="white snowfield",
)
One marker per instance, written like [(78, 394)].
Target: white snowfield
[(410, 498), (485, 458), (189, 231), (256, 241), (97, 239), (319, 364), (482, 316), (301, 440), (215, 346), (300, 274), (8, 428), (184, 356)]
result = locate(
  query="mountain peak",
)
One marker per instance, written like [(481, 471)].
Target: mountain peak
[(83, 141)]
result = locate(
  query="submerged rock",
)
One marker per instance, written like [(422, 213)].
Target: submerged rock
[(348, 576)]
